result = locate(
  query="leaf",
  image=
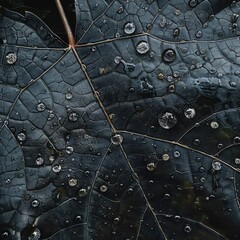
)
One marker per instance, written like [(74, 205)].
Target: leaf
[(131, 133)]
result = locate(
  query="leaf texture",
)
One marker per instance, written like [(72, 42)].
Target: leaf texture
[(131, 134)]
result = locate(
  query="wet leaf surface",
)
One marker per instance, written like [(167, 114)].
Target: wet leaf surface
[(132, 133)]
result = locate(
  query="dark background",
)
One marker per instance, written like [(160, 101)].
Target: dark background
[(47, 11)]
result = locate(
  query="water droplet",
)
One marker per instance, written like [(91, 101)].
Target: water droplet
[(177, 218), (236, 140), (56, 168), (237, 160), (214, 125), (39, 161), (69, 149), (21, 136), (129, 28), (190, 112), (94, 48), (216, 165), (151, 166), (117, 139), (41, 107), (73, 117), (169, 55), (116, 220), (68, 96), (11, 58), (167, 120), (120, 9), (193, 3), (35, 203), (187, 229), (198, 34), (163, 22), (117, 59), (160, 76), (196, 141), (35, 234), (165, 157), (103, 188), (72, 182), (176, 32), (82, 192), (176, 154), (117, 35), (142, 47)]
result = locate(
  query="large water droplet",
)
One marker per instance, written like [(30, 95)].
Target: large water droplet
[(189, 112), (117, 139), (169, 55), (129, 28), (167, 120), (11, 58), (142, 47)]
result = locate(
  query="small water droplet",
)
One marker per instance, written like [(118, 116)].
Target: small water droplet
[(82, 192), (176, 154), (72, 182), (116, 220), (69, 149), (11, 58), (73, 117), (163, 22), (237, 160), (151, 166), (236, 140), (160, 76), (103, 188), (176, 32), (41, 107), (21, 136), (129, 28), (190, 112), (35, 203), (56, 168), (187, 229), (214, 125), (165, 157), (117, 139), (193, 3), (199, 34), (68, 96), (169, 55), (142, 47), (39, 161), (35, 234), (117, 59), (216, 165), (167, 120), (94, 48)]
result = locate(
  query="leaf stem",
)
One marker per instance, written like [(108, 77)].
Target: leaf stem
[(71, 40)]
